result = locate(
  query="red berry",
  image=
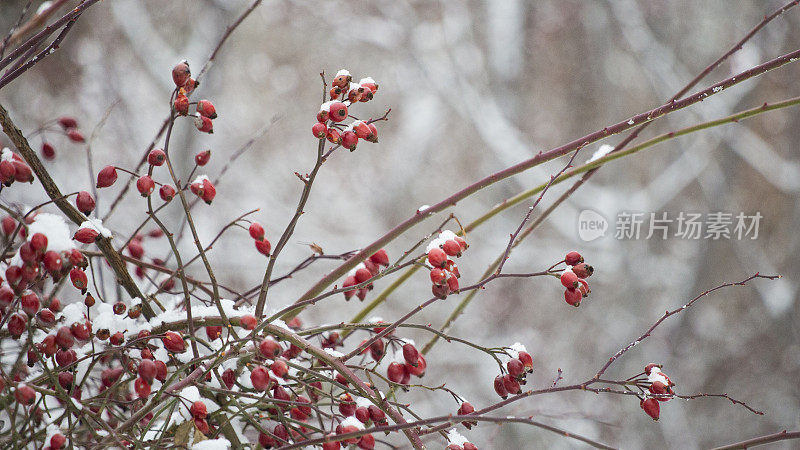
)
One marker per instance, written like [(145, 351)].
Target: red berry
[(361, 129), (85, 202), (333, 136), (438, 276), (67, 122), (569, 279), (410, 354), (142, 387), (17, 324), (279, 368), (573, 258), (29, 302), (515, 367), (373, 133), (362, 275), (9, 225), (161, 371), (380, 258), (500, 387), (156, 157), (22, 172), (583, 270), (440, 290), (78, 278), (203, 123), (396, 372), (349, 281), (190, 84), (337, 111), (7, 172), (452, 283), (229, 378), (48, 151), (651, 407), (367, 442), (256, 231), (263, 246), (173, 342), (86, 235), (47, 316), (107, 176), (202, 158), (527, 360), (267, 441), (511, 384), (319, 130), (437, 257), (64, 338), (166, 192), (260, 378), (248, 322), (199, 410), (181, 73), (573, 297), (209, 191), (349, 140), (81, 330), (269, 348), (452, 248), (213, 332), (202, 426), (181, 104), (57, 441), (145, 185), (147, 370), (38, 243), (206, 108), (419, 369), (25, 395), (75, 136)]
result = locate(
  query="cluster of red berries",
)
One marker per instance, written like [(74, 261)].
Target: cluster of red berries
[(408, 361), (184, 85), (363, 272), (34, 260), (13, 168), (518, 367), (660, 390), (69, 127), (574, 279), (333, 112), (444, 271), (257, 233)]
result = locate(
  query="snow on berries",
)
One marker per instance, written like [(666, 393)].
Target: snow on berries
[(444, 272), (574, 279), (518, 366), (362, 272), (203, 188), (13, 168), (344, 93)]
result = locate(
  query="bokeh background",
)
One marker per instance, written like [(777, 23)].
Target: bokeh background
[(474, 87)]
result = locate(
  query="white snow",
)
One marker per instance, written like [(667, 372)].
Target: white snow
[(454, 437), (96, 225), (6, 154), (327, 106), (630, 122), (515, 349), (43, 7), (352, 421), (55, 228), (600, 152), (200, 179), (334, 353), (366, 80), (212, 444), (343, 72)]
